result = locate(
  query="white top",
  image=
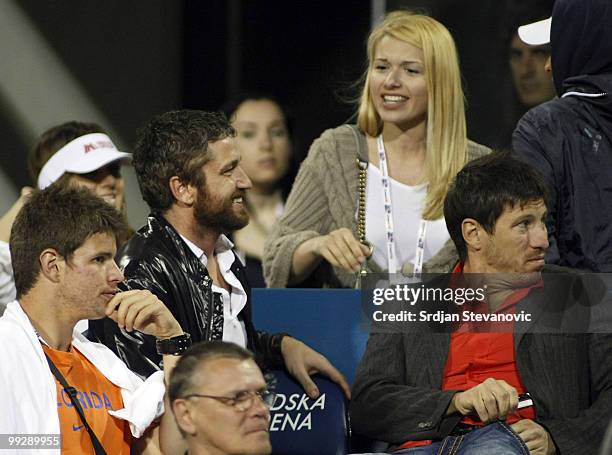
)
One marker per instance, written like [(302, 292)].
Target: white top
[(234, 330), (29, 395), (408, 203), (7, 282)]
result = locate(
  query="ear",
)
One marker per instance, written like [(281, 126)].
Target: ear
[(50, 264), (472, 233), (183, 413), (184, 193)]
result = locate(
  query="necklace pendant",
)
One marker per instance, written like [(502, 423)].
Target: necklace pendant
[(361, 276)]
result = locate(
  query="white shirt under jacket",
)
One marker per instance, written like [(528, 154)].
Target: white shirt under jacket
[(28, 393), (234, 301)]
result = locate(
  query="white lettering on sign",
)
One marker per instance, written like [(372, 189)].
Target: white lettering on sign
[(296, 422), (297, 402), (287, 411), (320, 403)]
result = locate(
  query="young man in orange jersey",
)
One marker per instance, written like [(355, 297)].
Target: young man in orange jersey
[(62, 244)]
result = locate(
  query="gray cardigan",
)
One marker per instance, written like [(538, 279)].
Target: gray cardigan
[(324, 198)]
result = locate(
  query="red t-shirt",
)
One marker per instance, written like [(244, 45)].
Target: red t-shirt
[(96, 395), (474, 357)]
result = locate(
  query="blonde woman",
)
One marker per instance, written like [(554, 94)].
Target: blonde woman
[(385, 213)]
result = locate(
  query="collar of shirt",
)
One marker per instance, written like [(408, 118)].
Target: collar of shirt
[(507, 306), (234, 301), (516, 296), (223, 249)]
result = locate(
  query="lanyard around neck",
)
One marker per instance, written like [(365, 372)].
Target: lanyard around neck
[(388, 208)]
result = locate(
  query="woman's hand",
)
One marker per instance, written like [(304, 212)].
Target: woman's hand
[(341, 249)]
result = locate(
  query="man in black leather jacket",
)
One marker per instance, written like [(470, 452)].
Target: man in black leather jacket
[(188, 172)]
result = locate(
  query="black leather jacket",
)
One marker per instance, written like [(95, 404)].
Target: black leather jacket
[(156, 258)]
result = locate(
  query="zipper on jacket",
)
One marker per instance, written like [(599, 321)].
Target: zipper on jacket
[(211, 308), (595, 138)]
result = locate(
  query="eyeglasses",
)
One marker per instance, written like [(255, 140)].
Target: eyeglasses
[(243, 401)]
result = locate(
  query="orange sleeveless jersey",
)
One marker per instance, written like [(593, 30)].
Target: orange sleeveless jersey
[(97, 395)]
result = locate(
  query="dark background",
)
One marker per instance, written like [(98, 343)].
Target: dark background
[(134, 59)]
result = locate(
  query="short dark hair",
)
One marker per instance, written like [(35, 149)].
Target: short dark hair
[(54, 139), (175, 144), (183, 375), (58, 217), (484, 188)]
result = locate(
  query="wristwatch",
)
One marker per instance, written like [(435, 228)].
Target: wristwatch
[(173, 346)]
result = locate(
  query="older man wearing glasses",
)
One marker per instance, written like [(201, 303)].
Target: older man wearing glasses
[(220, 400)]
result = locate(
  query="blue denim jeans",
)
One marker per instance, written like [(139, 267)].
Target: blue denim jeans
[(493, 439), (496, 438)]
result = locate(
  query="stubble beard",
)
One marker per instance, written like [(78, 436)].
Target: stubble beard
[(223, 219), (75, 303)]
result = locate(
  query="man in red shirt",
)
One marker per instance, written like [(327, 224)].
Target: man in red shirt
[(456, 388)]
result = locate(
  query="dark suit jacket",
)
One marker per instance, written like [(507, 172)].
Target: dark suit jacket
[(568, 372)]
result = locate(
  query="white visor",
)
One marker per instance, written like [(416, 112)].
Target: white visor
[(536, 33), (80, 156)]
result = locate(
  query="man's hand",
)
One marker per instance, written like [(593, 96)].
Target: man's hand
[(536, 438), (490, 400), (143, 311), (302, 361), (341, 249)]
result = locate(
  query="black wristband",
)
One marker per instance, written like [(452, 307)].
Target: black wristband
[(173, 346), (275, 348)]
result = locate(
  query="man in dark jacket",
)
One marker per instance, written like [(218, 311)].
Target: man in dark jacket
[(569, 139), (453, 386), (189, 173)]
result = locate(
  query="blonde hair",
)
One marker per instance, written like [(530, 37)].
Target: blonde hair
[(446, 130)]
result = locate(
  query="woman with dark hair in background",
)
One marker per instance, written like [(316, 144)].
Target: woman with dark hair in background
[(409, 142), (73, 153), (263, 138)]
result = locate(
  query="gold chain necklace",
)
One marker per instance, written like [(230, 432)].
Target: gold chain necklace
[(361, 218)]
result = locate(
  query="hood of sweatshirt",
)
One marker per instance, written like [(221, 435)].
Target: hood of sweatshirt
[(581, 42), (581, 52)]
